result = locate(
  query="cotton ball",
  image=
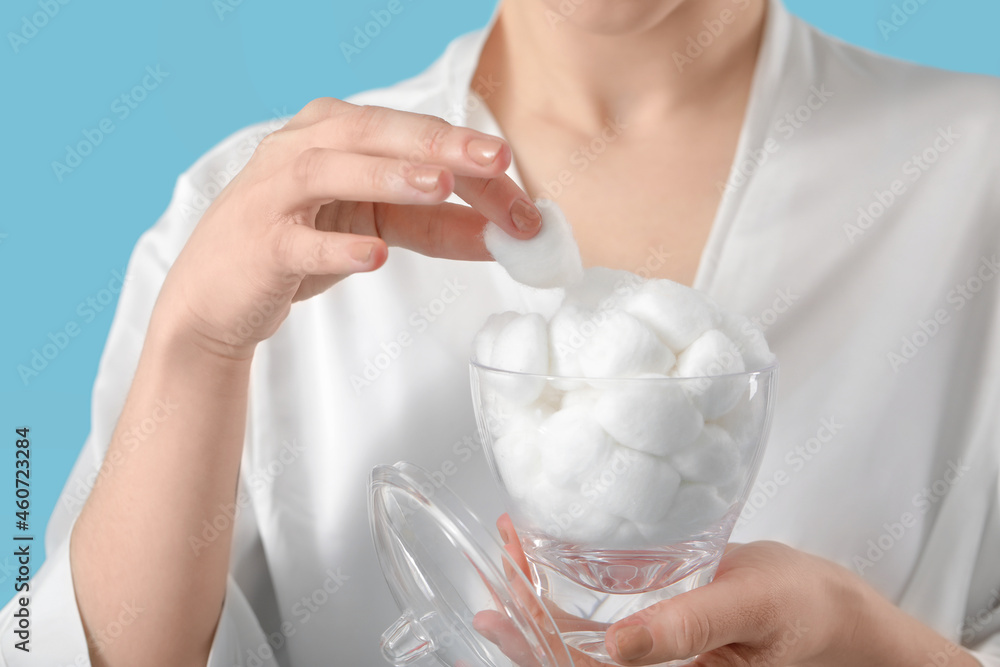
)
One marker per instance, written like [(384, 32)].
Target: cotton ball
[(572, 444), (565, 341), (622, 346), (602, 289), (511, 418), (628, 536), (515, 449), (551, 396), (697, 509), (733, 491), (712, 459), (697, 506), (586, 396), (550, 259), (518, 461), (677, 314), (590, 527), (565, 515), (745, 422), (749, 339), (633, 485), (482, 344), (712, 354), (649, 415), (521, 347)]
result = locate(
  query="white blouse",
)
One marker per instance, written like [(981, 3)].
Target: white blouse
[(859, 227)]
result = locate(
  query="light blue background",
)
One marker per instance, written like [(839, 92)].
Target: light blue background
[(226, 70)]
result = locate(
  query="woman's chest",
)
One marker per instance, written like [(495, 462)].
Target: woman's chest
[(639, 201)]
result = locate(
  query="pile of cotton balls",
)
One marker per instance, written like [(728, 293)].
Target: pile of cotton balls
[(595, 438)]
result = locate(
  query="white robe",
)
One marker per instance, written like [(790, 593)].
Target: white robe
[(883, 454)]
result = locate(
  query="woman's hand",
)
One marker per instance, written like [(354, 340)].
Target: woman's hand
[(769, 605), (321, 199)]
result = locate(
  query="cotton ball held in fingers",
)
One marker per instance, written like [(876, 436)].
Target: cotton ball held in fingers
[(549, 259)]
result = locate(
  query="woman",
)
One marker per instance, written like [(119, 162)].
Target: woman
[(846, 202)]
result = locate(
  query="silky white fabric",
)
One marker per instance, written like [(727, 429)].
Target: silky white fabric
[(890, 460)]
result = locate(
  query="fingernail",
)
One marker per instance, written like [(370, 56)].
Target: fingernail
[(425, 179), (504, 535), (634, 642), (483, 151), (525, 216), (362, 252)]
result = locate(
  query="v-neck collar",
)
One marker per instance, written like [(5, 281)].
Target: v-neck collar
[(767, 80), (471, 110)]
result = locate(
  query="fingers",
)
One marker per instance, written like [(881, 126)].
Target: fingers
[(683, 627), (503, 202), (512, 543), (316, 110), (321, 175), (418, 143), (304, 251), (500, 630), (449, 231), (478, 160), (415, 138)]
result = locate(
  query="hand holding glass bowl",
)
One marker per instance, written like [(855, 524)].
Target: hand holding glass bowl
[(624, 433), (609, 529)]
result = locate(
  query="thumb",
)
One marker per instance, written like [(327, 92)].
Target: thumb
[(695, 622), (304, 251)]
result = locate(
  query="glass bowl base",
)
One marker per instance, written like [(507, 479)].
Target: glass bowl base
[(589, 590)]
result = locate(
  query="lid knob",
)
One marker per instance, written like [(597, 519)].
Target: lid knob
[(406, 641)]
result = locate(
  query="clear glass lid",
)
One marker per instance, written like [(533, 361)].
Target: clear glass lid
[(462, 598)]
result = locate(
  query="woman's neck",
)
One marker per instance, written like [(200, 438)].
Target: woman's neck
[(557, 71)]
